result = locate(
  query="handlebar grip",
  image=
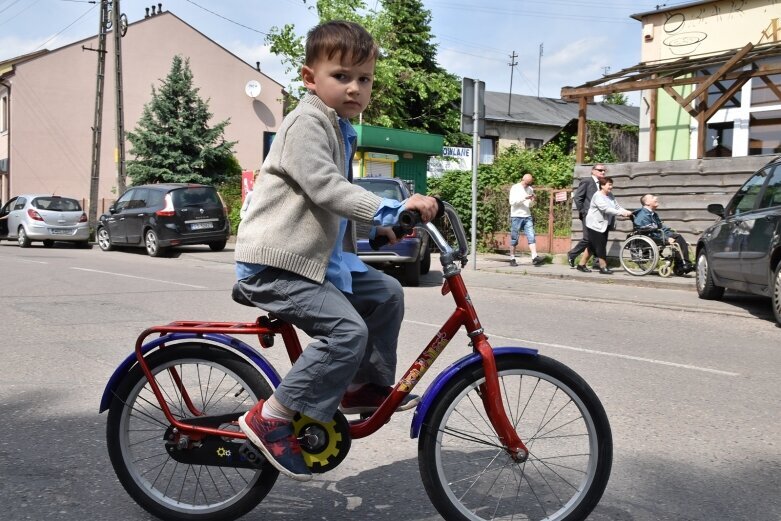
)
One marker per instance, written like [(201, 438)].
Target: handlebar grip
[(379, 242), (408, 219)]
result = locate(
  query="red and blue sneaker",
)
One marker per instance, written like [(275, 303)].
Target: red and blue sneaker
[(369, 397), (277, 441)]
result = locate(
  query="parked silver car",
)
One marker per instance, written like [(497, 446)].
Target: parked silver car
[(48, 218)]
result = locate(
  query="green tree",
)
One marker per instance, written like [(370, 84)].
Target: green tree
[(411, 91), (616, 98), (173, 141)]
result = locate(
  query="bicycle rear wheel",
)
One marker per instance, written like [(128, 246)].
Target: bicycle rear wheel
[(639, 255), (469, 476), (194, 481)]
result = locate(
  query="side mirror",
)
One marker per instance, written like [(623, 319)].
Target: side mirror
[(716, 209), (112, 209)]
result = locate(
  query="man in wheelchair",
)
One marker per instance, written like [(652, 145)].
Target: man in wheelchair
[(647, 220)]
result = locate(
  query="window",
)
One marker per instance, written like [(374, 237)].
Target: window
[(763, 94), (140, 196), (718, 89), (746, 197), (772, 195), (764, 132), (487, 151), (123, 201), (533, 144), (719, 140), (3, 113)]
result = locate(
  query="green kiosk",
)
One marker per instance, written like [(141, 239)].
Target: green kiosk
[(390, 152)]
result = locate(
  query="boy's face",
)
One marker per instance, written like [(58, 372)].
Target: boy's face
[(344, 87)]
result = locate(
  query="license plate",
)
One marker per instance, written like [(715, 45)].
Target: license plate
[(57, 231), (201, 226)]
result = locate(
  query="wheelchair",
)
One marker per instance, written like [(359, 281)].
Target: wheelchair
[(641, 252)]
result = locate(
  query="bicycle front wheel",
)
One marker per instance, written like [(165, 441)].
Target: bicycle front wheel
[(469, 476), (197, 380)]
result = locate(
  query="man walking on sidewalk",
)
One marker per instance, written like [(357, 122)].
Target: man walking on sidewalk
[(582, 198), (521, 200)]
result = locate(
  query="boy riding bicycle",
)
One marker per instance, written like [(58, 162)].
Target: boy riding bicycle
[(295, 252)]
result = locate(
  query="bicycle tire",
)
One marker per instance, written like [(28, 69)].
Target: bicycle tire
[(470, 477), (220, 383), (639, 255)]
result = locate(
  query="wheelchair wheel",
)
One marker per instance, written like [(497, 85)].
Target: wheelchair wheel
[(639, 255)]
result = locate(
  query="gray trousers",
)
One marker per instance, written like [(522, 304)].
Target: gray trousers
[(355, 335)]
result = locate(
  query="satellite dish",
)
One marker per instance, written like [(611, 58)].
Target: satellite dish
[(252, 88)]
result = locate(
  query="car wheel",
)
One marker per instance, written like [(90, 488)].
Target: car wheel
[(706, 288), (48, 243), (22, 238), (104, 240), (411, 272), (425, 263), (152, 244), (217, 245), (776, 295)]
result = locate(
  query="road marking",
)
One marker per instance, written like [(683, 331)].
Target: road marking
[(602, 353), (142, 278)]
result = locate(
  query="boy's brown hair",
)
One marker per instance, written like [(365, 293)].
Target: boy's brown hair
[(341, 38)]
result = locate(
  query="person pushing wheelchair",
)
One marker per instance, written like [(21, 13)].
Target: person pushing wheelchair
[(646, 217)]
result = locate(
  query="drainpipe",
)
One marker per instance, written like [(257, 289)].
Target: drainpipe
[(5, 188)]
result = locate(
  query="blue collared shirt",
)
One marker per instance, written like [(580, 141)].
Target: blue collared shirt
[(341, 264)]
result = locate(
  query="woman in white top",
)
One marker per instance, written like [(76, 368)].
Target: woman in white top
[(600, 219)]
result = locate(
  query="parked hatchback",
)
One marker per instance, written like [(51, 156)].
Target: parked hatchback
[(48, 218), (742, 250), (159, 216), (412, 254)]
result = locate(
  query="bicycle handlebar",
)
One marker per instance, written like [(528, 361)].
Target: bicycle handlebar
[(409, 219)]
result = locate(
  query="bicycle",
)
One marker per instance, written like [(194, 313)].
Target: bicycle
[(504, 433)]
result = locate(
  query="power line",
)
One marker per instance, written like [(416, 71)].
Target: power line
[(20, 12), (66, 27), (227, 19), (9, 6)]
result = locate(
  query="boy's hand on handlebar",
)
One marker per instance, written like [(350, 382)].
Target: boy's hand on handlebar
[(423, 204), (388, 233)]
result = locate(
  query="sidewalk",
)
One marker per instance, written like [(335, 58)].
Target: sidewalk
[(556, 267)]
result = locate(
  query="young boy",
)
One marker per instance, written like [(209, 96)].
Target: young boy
[(295, 252)]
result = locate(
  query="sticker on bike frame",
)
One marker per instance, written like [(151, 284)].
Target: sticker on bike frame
[(424, 361)]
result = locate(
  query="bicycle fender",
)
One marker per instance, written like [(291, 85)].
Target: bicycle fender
[(441, 381), (236, 346)]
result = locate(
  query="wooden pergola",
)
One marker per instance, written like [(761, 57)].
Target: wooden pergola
[(667, 75)]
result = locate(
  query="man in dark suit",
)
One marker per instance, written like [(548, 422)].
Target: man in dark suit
[(582, 198)]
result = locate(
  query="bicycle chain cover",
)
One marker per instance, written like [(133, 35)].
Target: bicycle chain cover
[(323, 445)]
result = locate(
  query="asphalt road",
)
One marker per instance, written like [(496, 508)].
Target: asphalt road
[(691, 387)]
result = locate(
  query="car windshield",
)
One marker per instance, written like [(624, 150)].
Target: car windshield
[(388, 190), (56, 204), (195, 196)]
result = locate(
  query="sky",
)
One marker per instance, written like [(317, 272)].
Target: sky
[(556, 43)]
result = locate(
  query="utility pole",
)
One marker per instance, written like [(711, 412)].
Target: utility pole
[(119, 23), (539, 71), (512, 65), (98, 121)]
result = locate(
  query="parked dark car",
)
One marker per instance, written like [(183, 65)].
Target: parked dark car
[(163, 215), (43, 217), (412, 254), (742, 250)]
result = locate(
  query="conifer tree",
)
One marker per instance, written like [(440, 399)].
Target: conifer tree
[(173, 142)]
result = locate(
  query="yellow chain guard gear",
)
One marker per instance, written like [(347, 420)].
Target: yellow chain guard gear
[(336, 446)]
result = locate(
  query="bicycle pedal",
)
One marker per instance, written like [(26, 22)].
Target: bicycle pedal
[(249, 452)]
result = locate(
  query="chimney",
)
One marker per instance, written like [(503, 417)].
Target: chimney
[(257, 66), (153, 11), (147, 13), (160, 8)]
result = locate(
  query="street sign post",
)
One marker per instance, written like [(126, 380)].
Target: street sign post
[(473, 121)]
